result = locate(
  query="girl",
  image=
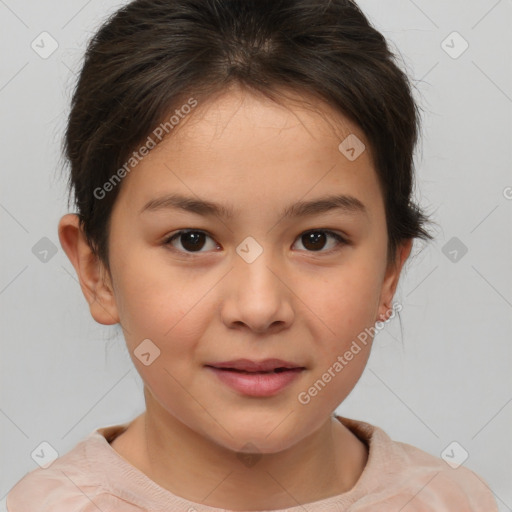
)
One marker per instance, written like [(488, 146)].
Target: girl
[(242, 172)]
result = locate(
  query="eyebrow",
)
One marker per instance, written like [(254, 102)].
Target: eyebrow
[(345, 203)]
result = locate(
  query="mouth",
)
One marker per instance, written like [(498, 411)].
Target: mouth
[(249, 366), (256, 379), (275, 370)]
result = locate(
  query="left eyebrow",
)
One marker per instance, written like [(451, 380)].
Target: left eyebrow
[(345, 203)]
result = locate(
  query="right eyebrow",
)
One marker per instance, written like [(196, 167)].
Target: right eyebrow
[(345, 203)]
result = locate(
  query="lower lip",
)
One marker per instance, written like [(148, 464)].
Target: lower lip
[(257, 384)]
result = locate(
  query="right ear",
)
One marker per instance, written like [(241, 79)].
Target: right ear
[(94, 279)]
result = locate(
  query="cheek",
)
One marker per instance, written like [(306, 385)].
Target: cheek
[(346, 300), (346, 304), (151, 299)]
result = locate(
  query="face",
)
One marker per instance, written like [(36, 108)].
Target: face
[(257, 284)]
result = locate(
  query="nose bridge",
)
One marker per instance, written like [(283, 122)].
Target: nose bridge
[(256, 264), (257, 297)]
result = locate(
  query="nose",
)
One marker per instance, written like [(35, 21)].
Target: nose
[(257, 296)]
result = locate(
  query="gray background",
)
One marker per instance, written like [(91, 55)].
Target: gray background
[(447, 378)]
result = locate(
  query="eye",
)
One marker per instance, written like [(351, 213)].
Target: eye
[(191, 240), (315, 240)]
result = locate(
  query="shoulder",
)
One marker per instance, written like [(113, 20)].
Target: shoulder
[(401, 475), (69, 483), (47, 492), (433, 484)]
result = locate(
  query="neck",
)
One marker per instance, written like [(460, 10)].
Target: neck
[(326, 463)]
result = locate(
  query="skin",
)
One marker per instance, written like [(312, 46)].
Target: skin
[(291, 302)]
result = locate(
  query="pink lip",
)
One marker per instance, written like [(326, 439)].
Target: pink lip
[(256, 378), (255, 366), (257, 383)]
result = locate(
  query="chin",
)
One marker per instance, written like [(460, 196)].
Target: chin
[(260, 444), (264, 437)]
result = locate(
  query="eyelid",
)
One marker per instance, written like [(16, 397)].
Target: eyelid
[(341, 238), (174, 235)]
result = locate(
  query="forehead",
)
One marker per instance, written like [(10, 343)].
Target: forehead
[(239, 147), (232, 120)]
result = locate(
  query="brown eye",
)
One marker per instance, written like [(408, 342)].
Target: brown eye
[(315, 241), (191, 241)]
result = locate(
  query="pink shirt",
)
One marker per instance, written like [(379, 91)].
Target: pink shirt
[(93, 477)]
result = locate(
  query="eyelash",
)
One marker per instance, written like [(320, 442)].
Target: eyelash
[(340, 239)]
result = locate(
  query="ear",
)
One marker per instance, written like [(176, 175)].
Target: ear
[(94, 279), (391, 279)]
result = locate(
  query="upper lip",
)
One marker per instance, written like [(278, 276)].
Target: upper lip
[(255, 366)]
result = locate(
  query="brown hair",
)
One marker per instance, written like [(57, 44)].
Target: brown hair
[(151, 55)]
